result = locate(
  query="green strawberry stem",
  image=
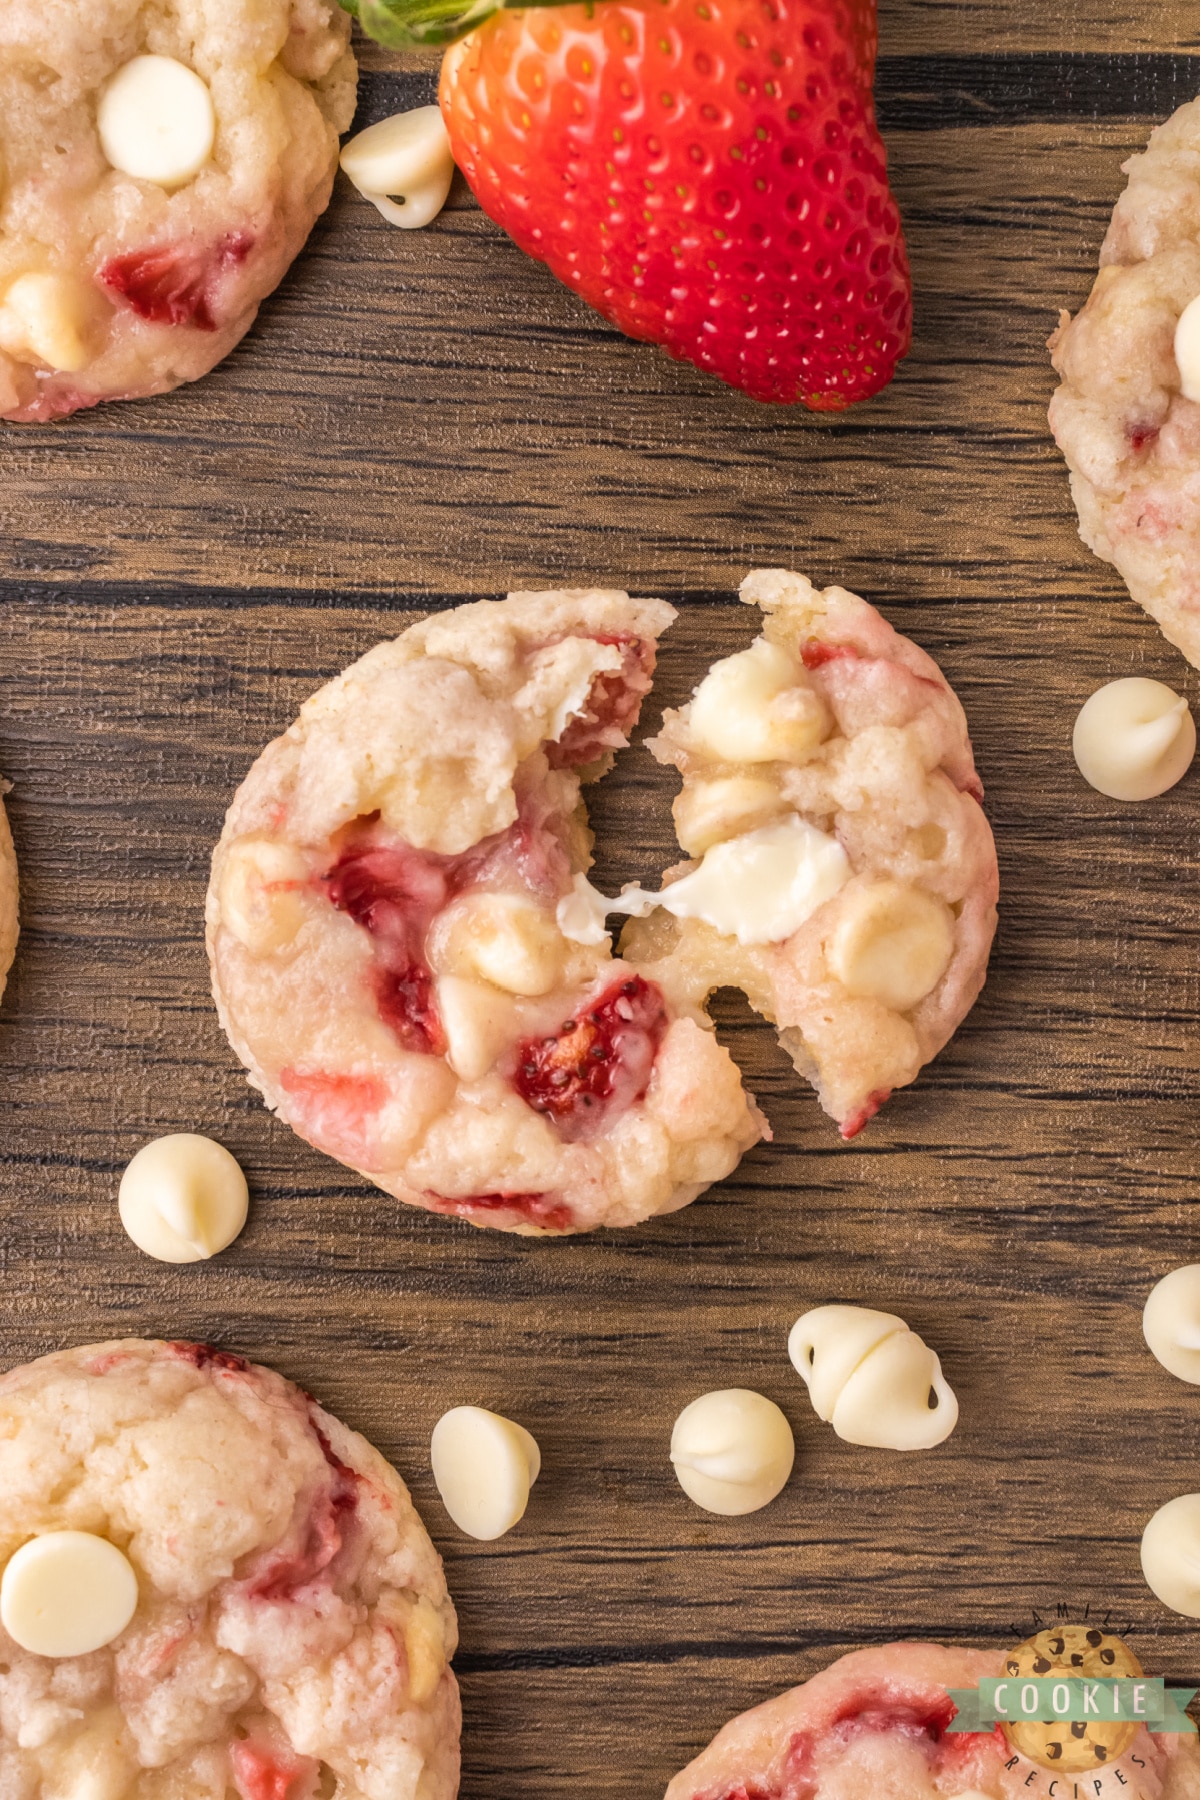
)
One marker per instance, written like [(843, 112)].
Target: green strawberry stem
[(400, 24)]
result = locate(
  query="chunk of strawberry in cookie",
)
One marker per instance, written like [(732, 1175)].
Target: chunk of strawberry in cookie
[(612, 707), (176, 284), (599, 1064), (264, 1768), (394, 892)]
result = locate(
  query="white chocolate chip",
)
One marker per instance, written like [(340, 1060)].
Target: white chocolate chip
[(405, 158), (891, 943), (502, 938), (484, 1467), (42, 320), (156, 121), (872, 1378), (478, 1021), (1171, 1555), (260, 894), (708, 812), (762, 886), (732, 1451), (1171, 1322), (1134, 738), (1187, 350), (67, 1593), (183, 1198), (754, 707)]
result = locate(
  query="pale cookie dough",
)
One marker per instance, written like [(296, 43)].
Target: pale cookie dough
[(8, 895), (292, 1630), (387, 956), (828, 775), (874, 1724), (1127, 416), (161, 164)]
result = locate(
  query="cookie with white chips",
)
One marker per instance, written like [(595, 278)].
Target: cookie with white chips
[(844, 873), (1127, 415), (161, 164), (268, 1618), (395, 949)]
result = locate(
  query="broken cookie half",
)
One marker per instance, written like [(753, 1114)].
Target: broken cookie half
[(843, 875), (387, 951)]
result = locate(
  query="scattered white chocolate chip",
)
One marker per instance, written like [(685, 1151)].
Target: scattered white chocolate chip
[(405, 158), (503, 938), (755, 707), (891, 943), (1134, 738), (484, 1467), (67, 1593), (260, 891), (1171, 1322), (183, 1198), (1171, 1555), (762, 886), (156, 121), (732, 1451), (707, 812), (478, 1021), (872, 1378), (42, 320), (1187, 350)]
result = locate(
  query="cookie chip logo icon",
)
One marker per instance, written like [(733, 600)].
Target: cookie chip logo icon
[(1068, 1651)]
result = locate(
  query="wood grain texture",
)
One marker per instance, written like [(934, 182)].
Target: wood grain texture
[(419, 420)]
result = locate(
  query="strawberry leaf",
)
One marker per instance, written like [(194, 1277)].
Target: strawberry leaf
[(401, 24)]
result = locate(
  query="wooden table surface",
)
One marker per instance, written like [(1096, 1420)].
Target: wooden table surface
[(420, 419)]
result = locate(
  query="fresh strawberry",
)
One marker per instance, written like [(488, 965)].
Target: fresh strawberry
[(707, 174)]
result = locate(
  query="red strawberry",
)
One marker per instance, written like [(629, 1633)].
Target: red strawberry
[(706, 173), (599, 1063), (176, 284)]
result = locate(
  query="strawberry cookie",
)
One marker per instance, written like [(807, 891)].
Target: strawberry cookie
[(845, 875), (875, 1723), (399, 952), (161, 164), (211, 1588), (1127, 416), (8, 896)]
